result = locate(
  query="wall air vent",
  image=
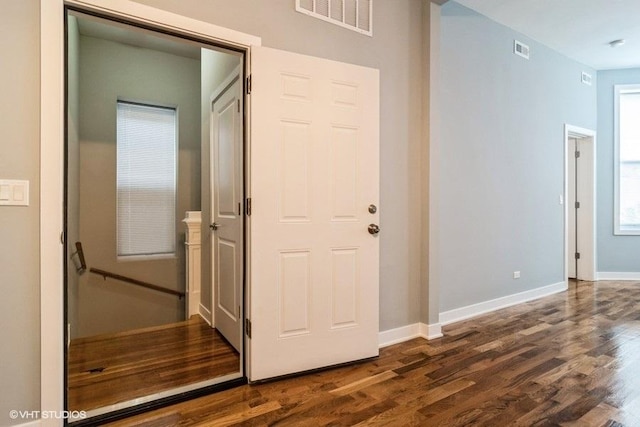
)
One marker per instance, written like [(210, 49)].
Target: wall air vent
[(356, 15), (586, 78), (521, 49)]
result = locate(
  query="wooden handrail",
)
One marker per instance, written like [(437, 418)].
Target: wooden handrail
[(80, 253), (136, 282)]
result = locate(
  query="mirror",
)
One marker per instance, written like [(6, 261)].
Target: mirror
[(153, 156)]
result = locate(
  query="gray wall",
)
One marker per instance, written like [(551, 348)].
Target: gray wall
[(19, 226), (395, 49), (615, 253), (215, 67), (501, 158), (109, 71)]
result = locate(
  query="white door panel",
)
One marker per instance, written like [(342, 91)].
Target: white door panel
[(314, 172), (226, 202), (571, 201)]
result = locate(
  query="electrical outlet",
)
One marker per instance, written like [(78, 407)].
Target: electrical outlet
[(516, 274)]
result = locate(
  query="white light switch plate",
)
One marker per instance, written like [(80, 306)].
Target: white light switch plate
[(14, 192)]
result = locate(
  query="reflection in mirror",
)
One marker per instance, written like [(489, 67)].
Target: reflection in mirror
[(154, 139)]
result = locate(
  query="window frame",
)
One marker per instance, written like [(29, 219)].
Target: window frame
[(150, 256), (618, 91)]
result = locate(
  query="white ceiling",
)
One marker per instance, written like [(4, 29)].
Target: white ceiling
[(132, 36), (579, 29)]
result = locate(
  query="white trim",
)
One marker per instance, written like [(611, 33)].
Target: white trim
[(51, 208), (617, 90), (409, 332), (588, 260), (52, 166), (618, 275), (205, 313), (431, 332), (474, 310)]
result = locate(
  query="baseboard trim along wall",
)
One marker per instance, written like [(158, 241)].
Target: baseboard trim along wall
[(206, 315), (36, 423), (409, 332), (612, 275), (474, 310)]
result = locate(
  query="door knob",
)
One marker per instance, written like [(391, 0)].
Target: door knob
[(214, 226), (373, 229)]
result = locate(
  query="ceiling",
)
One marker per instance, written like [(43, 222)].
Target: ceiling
[(579, 29), (95, 27)]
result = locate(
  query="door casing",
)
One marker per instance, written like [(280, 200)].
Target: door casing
[(587, 232)]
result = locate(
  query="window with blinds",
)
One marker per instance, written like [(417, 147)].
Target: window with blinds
[(146, 179), (627, 159), (355, 15)]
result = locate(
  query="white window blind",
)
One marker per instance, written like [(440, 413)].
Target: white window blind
[(353, 14), (628, 159), (146, 179)]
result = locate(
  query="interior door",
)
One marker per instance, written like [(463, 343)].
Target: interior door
[(571, 202), (226, 229), (314, 188)]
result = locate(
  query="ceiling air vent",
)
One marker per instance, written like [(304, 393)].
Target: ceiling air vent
[(521, 49), (586, 78), (356, 15)]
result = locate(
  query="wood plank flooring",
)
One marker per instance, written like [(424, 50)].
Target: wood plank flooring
[(571, 359), (108, 369)]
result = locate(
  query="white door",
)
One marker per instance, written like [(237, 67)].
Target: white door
[(227, 212), (571, 201), (314, 173)]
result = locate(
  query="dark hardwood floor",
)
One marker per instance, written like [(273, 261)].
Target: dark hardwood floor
[(109, 369), (571, 359)]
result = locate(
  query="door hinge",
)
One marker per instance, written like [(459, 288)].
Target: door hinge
[(577, 255), (247, 206), (577, 154), (238, 105), (577, 205), (247, 327), (248, 85), (62, 238)]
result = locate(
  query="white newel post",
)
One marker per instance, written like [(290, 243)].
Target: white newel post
[(193, 246)]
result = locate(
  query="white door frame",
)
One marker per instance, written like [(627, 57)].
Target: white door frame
[(588, 264), (52, 119)]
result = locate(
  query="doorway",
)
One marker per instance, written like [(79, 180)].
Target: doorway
[(139, 165), (580, 196), (351, 308)]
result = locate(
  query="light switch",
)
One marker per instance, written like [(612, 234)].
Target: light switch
[(18, 193), (5, 192), (14, 192)]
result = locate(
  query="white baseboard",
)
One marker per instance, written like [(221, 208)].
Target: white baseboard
[(474, 310), (409, 332), (612, 275), (206, 315)]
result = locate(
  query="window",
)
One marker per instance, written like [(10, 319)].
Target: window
[(627, 155), (146, 179)]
